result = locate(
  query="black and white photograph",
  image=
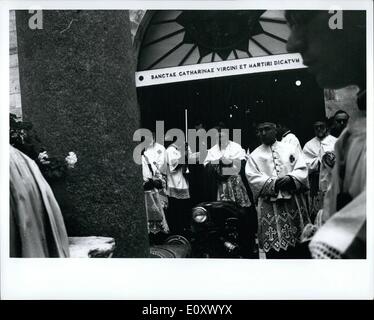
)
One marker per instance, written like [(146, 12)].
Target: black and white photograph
[(202, 134)]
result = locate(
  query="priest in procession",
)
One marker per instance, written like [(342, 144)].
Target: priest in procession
[(278, 177)]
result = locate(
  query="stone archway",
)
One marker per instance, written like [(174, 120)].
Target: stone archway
[(173, 39)]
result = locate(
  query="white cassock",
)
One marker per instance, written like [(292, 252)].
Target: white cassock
[(154, 167), (283, 215), (156, 153), (231, 188), (290, 138), (313, 151), (319, 172), (177, 183), (232, 151)]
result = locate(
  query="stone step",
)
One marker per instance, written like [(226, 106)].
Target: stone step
[(91, 247)]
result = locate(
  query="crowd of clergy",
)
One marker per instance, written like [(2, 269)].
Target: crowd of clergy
[(280, 184)]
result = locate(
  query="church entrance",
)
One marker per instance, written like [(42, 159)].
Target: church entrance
[(291, 97), (171, 39)]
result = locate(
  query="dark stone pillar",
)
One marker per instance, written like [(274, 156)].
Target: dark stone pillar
[(77, 87)]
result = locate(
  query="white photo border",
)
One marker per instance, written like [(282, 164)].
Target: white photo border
[(159, 279)]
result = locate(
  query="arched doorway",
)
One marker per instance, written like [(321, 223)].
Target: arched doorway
[(170, 39)]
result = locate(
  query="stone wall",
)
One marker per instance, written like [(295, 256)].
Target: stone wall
[(78, 90), (15, 105)]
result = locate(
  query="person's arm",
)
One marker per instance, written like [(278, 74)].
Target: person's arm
[(285, 183), (173, 159), (244, 178), (328, 159), (299, 174), (260, 183), (312, 158), (209, 159), (232, 164)]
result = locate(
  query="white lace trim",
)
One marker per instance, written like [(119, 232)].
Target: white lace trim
[(321, 250)]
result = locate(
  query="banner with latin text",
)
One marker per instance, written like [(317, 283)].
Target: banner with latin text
[(219, 69)]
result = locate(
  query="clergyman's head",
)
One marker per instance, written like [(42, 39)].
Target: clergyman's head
[(222, 136), (340, 120), (282, 128), (150, 138), (198, 125), (320, 129), (267, 132)]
